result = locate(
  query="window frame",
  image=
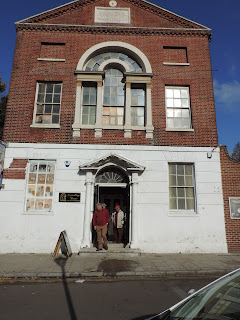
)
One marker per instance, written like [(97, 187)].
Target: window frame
[(46, 125), (28, 171), (183, 212), (189, 109)]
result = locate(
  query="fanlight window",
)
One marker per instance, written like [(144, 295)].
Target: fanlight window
[(94, 63), (110, 177)]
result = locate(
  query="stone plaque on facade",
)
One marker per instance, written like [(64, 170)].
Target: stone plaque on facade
[(112, 15)]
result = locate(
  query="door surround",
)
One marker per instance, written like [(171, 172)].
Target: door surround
[(92, 170)]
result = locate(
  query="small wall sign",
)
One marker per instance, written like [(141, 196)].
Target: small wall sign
[(69, 197), (234, 206)]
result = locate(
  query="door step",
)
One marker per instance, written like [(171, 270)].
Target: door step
[(113, 248)]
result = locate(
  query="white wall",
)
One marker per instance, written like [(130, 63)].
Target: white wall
[(158, 229)]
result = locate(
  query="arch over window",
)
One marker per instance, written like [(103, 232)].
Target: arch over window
[(111, 175), (116, 46), (94, 64)]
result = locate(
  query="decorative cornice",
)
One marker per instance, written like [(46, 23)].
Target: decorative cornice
[(113, 29)]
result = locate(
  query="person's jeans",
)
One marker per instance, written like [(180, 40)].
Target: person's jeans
[(101, 234)]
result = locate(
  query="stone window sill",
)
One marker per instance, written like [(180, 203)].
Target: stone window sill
[(180, 129), (51, 59), (45, 126), (182, 213), (35, 213), (176, 64)]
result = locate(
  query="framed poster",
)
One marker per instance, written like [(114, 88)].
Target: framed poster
[(234, 206)]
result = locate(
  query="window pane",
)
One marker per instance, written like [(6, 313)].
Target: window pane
[(170, 103), (169, 93), (177, 103), (177, 93), (84, 119), (172, 192), (189, 181), (40, 109), (181, 193), (170, 113), (181, 204), (56, 98), (57, 88), (49, 88), (180, 180), (172, 168), (48, 98), (180, 169), (173, 203), (56, 109), (40, 98), (177, 113), (55, 118), (41, 88), (48, 108), (190, 204), (47, 119), (170, 123), (172, 180), (184, 93), (188, 169), (189, 193)]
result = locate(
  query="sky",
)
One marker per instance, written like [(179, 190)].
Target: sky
[(222, 16)]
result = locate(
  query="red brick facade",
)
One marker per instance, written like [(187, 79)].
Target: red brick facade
[(81, 34), (231, 188), (17, 169)]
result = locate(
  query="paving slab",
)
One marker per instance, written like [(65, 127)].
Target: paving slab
[(93, 264)]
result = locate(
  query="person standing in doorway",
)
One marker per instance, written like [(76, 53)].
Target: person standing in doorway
[(101, 220), (118, 222)]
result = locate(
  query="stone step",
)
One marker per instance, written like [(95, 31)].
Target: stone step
[(113, 248)]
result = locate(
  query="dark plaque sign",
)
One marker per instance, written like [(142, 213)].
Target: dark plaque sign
[(69, 197)]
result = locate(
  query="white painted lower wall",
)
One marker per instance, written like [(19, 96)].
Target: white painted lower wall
[(158, 229)]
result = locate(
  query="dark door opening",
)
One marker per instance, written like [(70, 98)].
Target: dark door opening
[(112, 196)]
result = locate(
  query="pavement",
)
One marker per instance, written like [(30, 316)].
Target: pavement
[(111, 263)]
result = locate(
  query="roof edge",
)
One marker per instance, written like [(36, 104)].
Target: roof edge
[(38, 14), (150, 3)]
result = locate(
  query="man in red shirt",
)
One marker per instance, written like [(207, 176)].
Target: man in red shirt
[(101, 219)]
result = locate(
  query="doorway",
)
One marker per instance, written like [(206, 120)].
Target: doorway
[(111, 196)]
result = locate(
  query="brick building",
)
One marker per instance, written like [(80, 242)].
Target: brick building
[(112, 101)]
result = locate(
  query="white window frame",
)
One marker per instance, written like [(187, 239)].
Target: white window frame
[(39, 212), (44, 125), (183, 212), (189, 109)]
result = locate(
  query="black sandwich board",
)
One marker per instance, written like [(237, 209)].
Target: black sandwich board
[(64, 244)]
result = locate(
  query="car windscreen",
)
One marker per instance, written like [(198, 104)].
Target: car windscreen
[(219, 301)]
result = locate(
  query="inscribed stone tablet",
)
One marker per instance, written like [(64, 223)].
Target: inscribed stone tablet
[(112, 15)]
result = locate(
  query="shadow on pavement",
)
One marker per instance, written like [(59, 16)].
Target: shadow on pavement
[(61, 263)]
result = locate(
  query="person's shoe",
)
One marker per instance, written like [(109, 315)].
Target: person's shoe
[(106, 247), (98, 249)]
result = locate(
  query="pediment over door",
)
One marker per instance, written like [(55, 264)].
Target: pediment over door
[(112, 160)]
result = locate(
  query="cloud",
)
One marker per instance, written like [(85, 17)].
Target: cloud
[(227, 94)]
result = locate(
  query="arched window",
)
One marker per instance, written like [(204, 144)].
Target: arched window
[(113, 92)]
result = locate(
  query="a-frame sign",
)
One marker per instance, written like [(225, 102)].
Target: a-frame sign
[(64, 244)]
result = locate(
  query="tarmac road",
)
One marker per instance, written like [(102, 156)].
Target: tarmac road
[(93, 299)]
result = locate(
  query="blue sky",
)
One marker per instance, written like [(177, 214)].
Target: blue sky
[(222, 16)]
